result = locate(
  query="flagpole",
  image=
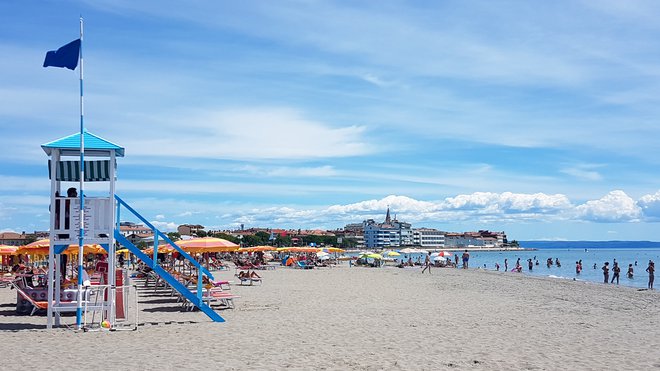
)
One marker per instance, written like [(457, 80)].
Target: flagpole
[(81, 235)]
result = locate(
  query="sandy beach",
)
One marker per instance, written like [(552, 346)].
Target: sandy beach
[(366, 319)]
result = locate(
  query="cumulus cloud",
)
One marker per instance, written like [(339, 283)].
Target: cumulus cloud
[(614, 207), (477, 206), (509, 202), (650, 205), (165, 226)]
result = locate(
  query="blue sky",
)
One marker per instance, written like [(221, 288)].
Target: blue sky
[(536, 118)]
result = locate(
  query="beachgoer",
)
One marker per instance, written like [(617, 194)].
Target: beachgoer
[(72, 192), (530, 264), (497, 266), (506, 265), (427, 263), (536, 263), (578, 268), (630, 271), (557, 263), (548, 262), (616, 270), (595, 265), (466, 259), (456, 260), (651, 270), (606, 272)]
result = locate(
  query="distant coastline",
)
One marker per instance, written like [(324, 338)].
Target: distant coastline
[(590, 244)]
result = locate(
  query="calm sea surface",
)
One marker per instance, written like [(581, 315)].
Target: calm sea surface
[(567, 258)]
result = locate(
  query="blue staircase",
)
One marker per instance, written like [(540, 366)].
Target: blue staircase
[(195, 298)]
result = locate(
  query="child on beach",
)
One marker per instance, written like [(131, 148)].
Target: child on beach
[(606, 272)]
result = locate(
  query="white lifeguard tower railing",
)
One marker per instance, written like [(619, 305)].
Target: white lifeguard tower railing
[(101, 224)]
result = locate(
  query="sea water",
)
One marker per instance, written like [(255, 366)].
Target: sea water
[(567, 257)]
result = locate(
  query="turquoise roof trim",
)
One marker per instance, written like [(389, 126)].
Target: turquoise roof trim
[(92, 142)]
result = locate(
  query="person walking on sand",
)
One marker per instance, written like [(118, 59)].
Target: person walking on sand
[(466, 259), (606, 272), (617, 271), (651, 270), (427, 263)]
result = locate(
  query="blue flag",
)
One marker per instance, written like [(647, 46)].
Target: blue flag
[(66, 56)]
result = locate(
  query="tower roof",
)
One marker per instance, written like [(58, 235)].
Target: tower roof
[(71, 145), (387, 217)]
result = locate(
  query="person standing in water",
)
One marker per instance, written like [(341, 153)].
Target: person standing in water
[(466, 259), (530, 264), (606, 272), (651, 270), (617, 271), (630, 271), (578, 268), (506, 265)]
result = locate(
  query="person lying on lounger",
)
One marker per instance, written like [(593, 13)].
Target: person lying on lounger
[(248, 274)]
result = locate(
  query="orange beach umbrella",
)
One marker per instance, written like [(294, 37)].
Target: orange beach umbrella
[(41, 247), (256, 249), (207, 244), (8, 250)]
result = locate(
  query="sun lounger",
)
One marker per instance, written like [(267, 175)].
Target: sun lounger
[(36, 305), (303, 265), (5, 281), (249, 280), (212, 295)]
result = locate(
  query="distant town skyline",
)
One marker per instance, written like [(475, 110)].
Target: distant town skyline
[(539, 120)]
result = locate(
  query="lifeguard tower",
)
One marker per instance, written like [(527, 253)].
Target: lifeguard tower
[(99, 212), (101, 226)]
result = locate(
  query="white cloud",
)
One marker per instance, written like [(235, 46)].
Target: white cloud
[(509, 202), (399, 203), (248, 134), (286, 171), (582, 173), (616, 206), (650, 205), (160, 216), (165, 226)]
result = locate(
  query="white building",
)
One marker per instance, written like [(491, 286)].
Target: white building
[(390, 233), (428, 237)]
